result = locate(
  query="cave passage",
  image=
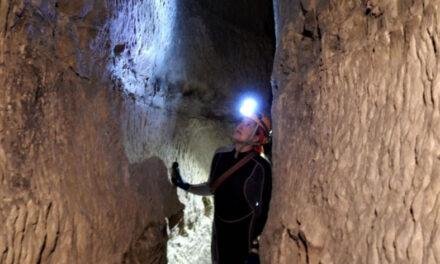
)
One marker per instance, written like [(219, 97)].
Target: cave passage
[(187, 66), (99, 97)]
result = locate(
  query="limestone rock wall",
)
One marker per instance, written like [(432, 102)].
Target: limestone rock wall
[(68, 192), (357, 133)]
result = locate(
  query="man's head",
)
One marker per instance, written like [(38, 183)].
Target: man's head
[(253, 130), (245, 131)]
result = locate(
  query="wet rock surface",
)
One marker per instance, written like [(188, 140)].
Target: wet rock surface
[(356, 127)]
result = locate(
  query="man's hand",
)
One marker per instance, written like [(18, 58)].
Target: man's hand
[(176, 179)]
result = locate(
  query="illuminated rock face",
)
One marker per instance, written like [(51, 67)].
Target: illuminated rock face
[(68, 192), (97, 99), (357, 133)]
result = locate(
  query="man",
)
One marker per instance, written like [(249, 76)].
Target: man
[(240, 180)]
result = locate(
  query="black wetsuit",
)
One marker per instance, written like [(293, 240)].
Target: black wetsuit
[(241, 205)]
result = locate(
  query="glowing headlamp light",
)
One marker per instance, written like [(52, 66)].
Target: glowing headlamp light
[(248, 107)]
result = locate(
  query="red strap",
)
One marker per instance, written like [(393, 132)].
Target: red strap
[(220, 180)]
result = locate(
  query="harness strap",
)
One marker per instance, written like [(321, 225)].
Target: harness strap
[(220, 180)]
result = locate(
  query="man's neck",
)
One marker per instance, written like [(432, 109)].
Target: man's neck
[(242, 147)]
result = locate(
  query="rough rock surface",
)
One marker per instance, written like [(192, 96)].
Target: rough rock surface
[(97, 98), (68, 192), (357, 133)]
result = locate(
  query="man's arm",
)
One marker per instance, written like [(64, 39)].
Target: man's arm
[(198, 189)]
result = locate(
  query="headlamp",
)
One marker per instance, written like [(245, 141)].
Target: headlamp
[(248, 107)]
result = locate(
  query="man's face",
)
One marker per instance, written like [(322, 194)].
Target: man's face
[(243, 131)]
